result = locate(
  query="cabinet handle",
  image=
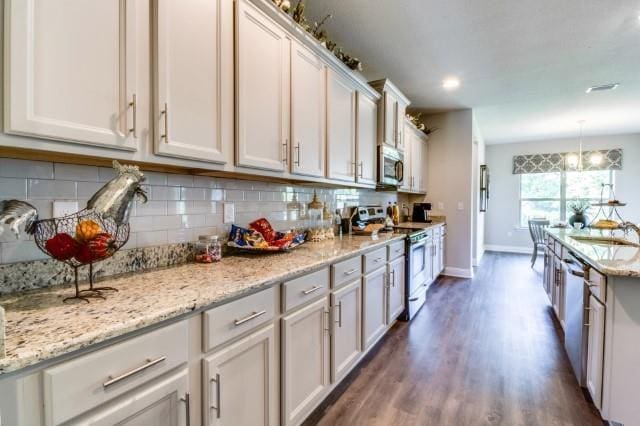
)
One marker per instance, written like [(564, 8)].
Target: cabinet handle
[(165, 113), (328, 329), (393, 278), (378, 259), (413, 299), (355, 168), (148, 364), (134, 107), (361, 169), (587, 325), (187, 406), (350, 272), (217, 406), (297, 161), (285, 154), (249, 318), (312, 289), (339, 306)]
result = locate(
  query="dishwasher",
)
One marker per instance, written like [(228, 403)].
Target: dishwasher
[(576, 307)]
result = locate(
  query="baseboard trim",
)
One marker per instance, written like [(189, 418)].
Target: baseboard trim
[(458, 272), (509, 249)]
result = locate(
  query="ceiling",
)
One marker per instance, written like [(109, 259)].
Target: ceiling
[(524, 65)]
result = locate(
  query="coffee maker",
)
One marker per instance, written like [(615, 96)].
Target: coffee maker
[(420, 212)]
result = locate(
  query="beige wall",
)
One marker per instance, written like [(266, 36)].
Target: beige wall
[(449, 170), (502, 230)]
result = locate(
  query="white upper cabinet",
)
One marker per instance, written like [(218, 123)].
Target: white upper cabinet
[(415, 158), (341, 128), (193, 111), (262, 90), (366, 139), (391, 114), (308, 110), (71, 71), (416, 162)]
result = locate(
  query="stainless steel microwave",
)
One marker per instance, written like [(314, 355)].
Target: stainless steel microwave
[(390, 166)]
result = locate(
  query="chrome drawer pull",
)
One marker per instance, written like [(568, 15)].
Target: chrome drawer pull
[(134, 106), (150, 363), (350, 272), (165, 113), (339, 306), (378, 259), (311, 290), (413, 299), (217, 406), (187, 406), (249, 318)]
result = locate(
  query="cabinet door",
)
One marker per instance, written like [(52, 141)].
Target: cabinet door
[(408, 164), (396, 289), (71, 71), (239, 382), (194, 79), (341, 129), (308, 109), (374, 300), (389, 110), (366, 136), (595, 351), (401, 110), (160, 403), (305, 360), (346, 342), (416, 161), (262, 90), (422, 187), (441, 256)]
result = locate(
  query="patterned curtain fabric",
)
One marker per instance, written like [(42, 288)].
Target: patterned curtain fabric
[(610, 159)]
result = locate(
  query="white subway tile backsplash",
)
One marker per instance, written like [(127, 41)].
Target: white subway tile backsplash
[(13, 188), (179, 180), (47, 189), (11, 167), (192, 194), (75, 172), (193, 220), (180, 207)]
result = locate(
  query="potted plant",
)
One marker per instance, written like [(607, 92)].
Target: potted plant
[(579, 207)]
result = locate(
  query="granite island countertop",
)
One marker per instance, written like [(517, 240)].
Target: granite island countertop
[(40, 327), (614, 260)]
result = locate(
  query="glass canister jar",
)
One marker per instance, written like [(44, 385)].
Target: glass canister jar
[(208, 249)]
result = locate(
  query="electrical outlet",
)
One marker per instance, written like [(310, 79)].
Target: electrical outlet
[(64, 208), (228, 213), (460, 205)]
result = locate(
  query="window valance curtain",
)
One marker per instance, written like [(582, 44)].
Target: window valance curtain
[(610, 159)]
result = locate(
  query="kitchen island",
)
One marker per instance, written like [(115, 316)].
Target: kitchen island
[(593, 282)]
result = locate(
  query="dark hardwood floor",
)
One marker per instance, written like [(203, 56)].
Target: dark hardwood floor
[(484, 351)]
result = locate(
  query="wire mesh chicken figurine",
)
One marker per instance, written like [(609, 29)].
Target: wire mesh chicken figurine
[(88, 236)]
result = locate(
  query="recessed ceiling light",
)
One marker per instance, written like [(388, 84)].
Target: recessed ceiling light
[(451, 83), (603, 87)]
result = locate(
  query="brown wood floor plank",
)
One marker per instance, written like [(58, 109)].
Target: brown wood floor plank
[(485, 351)]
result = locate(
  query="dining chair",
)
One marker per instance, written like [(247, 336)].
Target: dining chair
[(536, 229)]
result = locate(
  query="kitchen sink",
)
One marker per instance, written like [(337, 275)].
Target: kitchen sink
[(611, 241)]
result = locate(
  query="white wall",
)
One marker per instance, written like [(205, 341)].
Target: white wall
[(449, 171), (501, 228), (479, 158)]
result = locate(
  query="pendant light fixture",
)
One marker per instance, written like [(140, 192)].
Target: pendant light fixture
[(575, 161)]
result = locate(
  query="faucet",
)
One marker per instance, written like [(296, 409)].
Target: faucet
[(630, 225)]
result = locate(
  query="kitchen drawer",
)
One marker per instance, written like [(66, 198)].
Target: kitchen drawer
[(226, 322), (396, 249), (597, 284), (375, 259), (304, 289), (76, 386), (346, 271)]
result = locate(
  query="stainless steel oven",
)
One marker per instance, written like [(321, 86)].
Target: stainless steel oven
[(390, 166), (416, 277)]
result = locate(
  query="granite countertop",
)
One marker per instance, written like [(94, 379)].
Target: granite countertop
[(40, 327), (419, 225), (609, 259)]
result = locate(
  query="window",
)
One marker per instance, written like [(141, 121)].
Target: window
[(548, 195)]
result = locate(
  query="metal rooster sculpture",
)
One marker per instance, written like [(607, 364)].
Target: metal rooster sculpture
[(90, 235)]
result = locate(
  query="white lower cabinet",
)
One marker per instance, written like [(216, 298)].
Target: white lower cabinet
[(374, 300), (305, 360), (239, 382), (346, 343), (164, 402), (396, 289), (595, 351)]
